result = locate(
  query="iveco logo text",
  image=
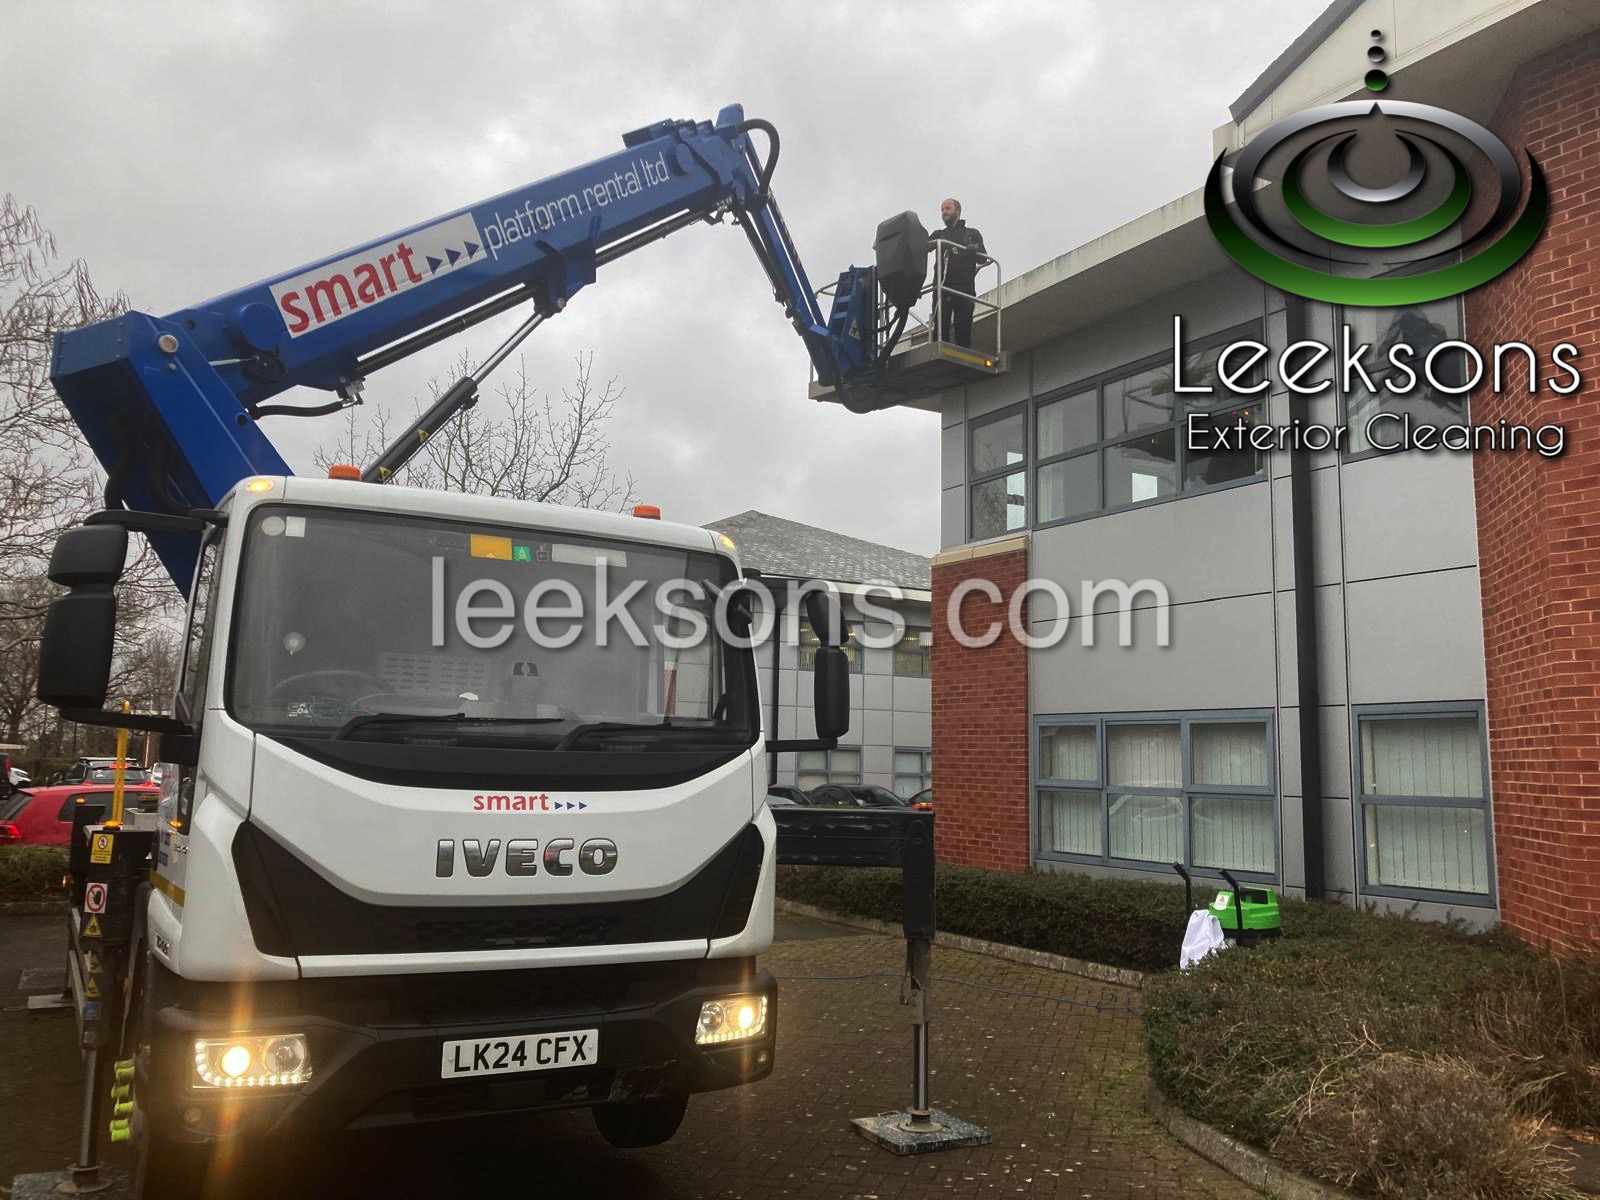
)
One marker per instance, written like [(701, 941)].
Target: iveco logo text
[(597, 856)]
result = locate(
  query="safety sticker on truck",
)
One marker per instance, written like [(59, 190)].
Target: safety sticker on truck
[(332, 291)]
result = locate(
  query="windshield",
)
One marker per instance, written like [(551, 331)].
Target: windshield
[(379, 626), (130, 774)]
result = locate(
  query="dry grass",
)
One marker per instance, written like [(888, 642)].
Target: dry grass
[(1414, 1127)]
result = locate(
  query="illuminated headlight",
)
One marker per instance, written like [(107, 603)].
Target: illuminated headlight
[(277, 1060), (731, 1019)]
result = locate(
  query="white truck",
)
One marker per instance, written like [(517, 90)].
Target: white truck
[(468, 817)]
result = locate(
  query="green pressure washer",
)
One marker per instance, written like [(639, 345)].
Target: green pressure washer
[(1247, 914)]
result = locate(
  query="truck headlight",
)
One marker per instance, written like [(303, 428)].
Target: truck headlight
[(731, 1019), (273, 1060)]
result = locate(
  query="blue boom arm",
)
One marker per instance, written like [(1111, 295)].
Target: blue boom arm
[(170, 404)]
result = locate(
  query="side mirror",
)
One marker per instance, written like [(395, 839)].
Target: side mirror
[(89, 556), (826, 617), (832, 697), (80, 628), (75, 653)]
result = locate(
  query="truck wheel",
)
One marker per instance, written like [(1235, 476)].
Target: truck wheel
[(644, 1123), (164, 1170)]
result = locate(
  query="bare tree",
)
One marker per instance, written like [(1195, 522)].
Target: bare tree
[(528, 448), (49, 479)]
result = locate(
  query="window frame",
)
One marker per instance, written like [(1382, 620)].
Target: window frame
[(1254, 328), (1188, 791), (807, 644), (828, 767), (1423, 710), (1022, 408), (926, 774), (926, 651), (1339, 322)]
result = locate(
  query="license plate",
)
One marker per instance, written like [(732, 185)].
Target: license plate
[(527, 1052)]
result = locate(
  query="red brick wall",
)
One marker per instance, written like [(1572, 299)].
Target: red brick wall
[(980, 722), (1539, 524)]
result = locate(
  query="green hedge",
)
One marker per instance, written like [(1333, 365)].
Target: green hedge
[(1122, 923), (32, 872)]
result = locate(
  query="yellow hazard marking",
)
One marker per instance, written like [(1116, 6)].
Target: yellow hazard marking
[(91, 927), (91, 962), (91, 989), (167, 888), (486, 546), (100, 848)]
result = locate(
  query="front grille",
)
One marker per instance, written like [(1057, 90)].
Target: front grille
[(423, 931), (293, 911)]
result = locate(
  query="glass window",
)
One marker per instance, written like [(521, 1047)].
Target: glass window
[(1069, 488), (1206, 466), (1146, 828), (1424, 808), (999, 506), (1233, 833), (997, 445), (913, 771), (809, 644), (1422, 327), (1421, 756), (1192, 789), (1069, 752), (911, 657), (1146, 756), (1067, 424), (1145, 469), (813, 768), (1138, 401), (197, 645), (1228, 754), (310, 658), (1069, 821)]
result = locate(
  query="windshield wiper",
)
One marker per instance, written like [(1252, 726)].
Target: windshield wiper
[(363, 720), (665, 730)]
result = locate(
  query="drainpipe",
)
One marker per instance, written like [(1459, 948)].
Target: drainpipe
[(1303, 527)]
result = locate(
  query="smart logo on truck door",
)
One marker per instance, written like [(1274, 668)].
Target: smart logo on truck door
[(330, 292)]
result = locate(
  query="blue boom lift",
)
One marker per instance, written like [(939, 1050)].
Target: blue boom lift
[(171, 405)]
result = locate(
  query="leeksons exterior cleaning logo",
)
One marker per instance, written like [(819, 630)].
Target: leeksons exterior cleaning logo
[(1387, 205), (1322, 218)]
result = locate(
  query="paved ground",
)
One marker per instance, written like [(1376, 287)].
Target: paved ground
[(1058, 1084)]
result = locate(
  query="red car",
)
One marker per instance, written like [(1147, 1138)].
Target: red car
[(43, 816)]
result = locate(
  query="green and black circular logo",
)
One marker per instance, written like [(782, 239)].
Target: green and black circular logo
[(1319, 232)]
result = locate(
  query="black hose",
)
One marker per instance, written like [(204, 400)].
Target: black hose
[(767, 128), (297, 410)]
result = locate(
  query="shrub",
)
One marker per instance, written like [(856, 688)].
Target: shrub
[(32, 872), (1419, 1128)]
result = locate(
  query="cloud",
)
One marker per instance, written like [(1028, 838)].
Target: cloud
[(191, 150)]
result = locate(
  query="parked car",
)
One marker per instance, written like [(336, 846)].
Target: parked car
[(43, 816), (19, 777), (787, 793), (870, 795), (101, 770)]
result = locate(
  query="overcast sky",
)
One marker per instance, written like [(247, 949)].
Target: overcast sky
[(183, 150)]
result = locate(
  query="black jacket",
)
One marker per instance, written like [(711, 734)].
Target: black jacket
[(962, 247)]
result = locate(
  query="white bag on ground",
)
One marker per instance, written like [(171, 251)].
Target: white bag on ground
[(1202, 937)]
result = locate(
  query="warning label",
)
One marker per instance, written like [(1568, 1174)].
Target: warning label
[(94, 898), (100, 848)]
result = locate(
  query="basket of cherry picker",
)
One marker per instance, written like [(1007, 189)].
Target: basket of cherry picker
[(1245, 915)]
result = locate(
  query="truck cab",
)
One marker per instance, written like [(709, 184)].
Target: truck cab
[(468, 818)]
